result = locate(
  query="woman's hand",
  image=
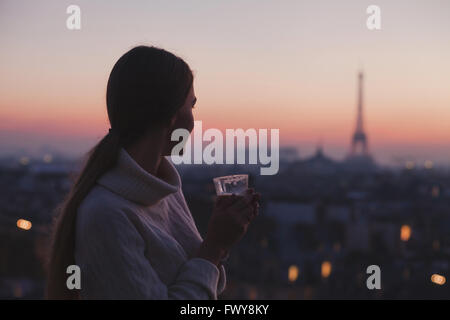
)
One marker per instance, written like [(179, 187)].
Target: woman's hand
[(231, 217)]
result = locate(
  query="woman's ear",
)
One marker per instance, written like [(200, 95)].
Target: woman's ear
[(172, 123)]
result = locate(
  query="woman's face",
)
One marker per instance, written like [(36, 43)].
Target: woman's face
[(184, 118)]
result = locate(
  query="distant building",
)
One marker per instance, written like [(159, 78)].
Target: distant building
[(358, 236), (319, 164), (288, 154), (288, 216)]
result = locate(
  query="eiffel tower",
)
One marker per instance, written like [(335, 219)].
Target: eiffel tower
[(359, 152), (359, 141)]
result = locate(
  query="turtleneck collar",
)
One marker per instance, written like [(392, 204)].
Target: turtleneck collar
[(131, 181)]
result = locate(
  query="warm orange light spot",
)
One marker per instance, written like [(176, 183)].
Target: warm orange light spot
[(438, 279), (435, 191), (326, 269), (23, 224), (337, 247), (406, 274), (405, 232), (428, 164), (293, 273), (47, 158), (252, 294), (436, 245), (17, 291), (409, 165), (264, 243), (24, 161)]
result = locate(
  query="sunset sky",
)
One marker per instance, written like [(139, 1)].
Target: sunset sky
[(290, 65)]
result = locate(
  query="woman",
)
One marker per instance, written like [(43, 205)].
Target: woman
[(125, 223)]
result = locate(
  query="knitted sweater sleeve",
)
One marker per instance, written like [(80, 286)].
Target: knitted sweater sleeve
[(110, 254)]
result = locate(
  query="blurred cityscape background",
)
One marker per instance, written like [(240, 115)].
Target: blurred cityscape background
[(322, 223)]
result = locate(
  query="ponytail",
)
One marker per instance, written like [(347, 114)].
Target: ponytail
[(100, 159)]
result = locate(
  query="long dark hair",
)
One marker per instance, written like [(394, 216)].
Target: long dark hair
[(146, 87)]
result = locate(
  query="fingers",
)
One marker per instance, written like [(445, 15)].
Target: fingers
[(251, 210), (246, 215), (245, 206), (255, 205), (254, 200), (255, 209), (256, 197), (242, 201), (225, 201)]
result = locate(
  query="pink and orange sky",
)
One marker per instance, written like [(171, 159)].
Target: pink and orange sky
[(290, 65)]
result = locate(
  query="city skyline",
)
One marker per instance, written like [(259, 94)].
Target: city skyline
[(290, 67)]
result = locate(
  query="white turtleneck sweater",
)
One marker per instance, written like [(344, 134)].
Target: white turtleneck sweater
[(135, 238)]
